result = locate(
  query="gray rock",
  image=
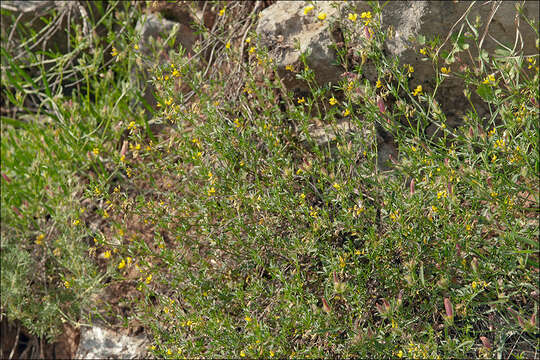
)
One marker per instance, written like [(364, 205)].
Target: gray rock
[(100, 343), (283, 26)]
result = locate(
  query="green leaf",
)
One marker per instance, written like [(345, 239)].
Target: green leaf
[(485, 92)]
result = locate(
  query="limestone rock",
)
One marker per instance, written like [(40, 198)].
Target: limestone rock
[(100, 343), (283, 25)]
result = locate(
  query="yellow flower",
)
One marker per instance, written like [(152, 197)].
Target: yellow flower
[(76, 222), (489, 79), (271, 353), (242, 353), (399, 354), (346, 112), (248, 40), (367, 17), (353, 17), (445, 70), (301, 100), (336, 186), (148, 279), (211, 191), (332, 101), (114, 52), (122, 264), (423, 51), (248, 319), (39, 239), (228, 45), (107, 254), (136, 47), (321, 16), (95, 151), (237, 123), (418, 90), (221, 12), (67, 284), (409, 67), (289, 67), (252, 50), (308, 8)]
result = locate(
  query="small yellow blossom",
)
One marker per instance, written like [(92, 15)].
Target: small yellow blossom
[(332, 101), (418, 90), (228, 45), (336, 186), (248, 319), (301, 100), (289, 68), (211, 191), (237, 123), (248, 40), (39, 239), (132, 125), (252, 49), (96, 151), (378, 84), (67, 284), (409, 67), (114, 52), (366, 16), (105, 214), (107, 254), (272, 353), (221, 12), (122, 264), (308, 8), (148, 279), (423, 51), (490, 79), (445, 70), (242, 353), (76, 222), (136, 47), (346, 112), (321, 16), (352, 17)]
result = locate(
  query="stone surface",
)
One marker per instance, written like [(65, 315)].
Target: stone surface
[(283, 25), (99, 343)]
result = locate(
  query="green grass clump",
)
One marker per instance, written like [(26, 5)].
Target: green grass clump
[(236, 232)]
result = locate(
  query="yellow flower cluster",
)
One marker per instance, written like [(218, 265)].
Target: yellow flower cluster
[(366, 17)]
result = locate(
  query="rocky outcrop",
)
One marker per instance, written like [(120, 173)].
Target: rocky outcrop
[(100, 343), (288, 31)]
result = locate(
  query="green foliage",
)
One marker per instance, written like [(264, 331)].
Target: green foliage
[(242, 234)]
